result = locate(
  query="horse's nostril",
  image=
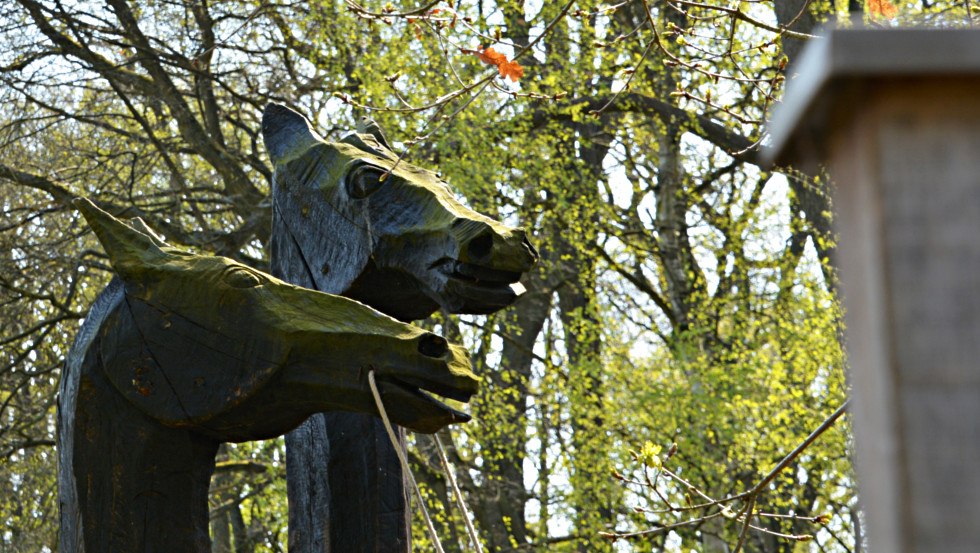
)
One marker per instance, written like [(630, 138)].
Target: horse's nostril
[(481, 246), (431, 345)]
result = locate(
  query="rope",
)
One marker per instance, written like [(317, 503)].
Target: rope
[(458, 495), (401, 457)]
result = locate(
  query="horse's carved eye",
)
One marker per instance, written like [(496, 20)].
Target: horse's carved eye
[(363, 181), (239, 277)]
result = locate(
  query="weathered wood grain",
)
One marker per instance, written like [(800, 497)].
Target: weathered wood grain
[(895, 114)]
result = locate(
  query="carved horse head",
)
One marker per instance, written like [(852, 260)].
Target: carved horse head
[(193, 350), (385, 232)]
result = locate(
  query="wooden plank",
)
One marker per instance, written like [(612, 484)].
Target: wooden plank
[(840, 58), (895, 114)]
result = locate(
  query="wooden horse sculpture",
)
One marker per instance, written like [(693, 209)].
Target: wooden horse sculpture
[(182, 352), (401, 243)]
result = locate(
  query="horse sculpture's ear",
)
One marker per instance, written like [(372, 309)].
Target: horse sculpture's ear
[(371, 127), (369, 137), (287, 134), (140, 225), (127, 247)]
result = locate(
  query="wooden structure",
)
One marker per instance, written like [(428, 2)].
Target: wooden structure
[(182, 352), (400, 243), (895, 115)]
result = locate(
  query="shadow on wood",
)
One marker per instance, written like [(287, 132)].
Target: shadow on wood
[(182, 352)]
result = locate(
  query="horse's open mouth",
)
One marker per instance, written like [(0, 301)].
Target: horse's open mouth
[(485, 275), (484, 289), (415, 405)]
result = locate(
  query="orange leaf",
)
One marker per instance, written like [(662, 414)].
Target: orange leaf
[(507, 68), (512, 70), (492, 57), (882, 8)]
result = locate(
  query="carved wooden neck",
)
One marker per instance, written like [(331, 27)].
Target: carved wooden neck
[(141, 486)]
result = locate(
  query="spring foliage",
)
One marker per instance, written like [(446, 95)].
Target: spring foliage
[(684, 309)]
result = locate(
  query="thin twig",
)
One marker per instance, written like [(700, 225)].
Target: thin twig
[(745, 514)]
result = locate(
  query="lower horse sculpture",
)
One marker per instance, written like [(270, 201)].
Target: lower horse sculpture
[(182, 352)]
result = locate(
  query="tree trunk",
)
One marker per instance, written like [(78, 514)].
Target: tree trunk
[(502, 498)]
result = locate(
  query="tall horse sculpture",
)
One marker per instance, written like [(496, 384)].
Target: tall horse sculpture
[(350, 219), (182, 352)]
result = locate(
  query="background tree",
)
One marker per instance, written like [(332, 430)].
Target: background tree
[(684, 295)]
